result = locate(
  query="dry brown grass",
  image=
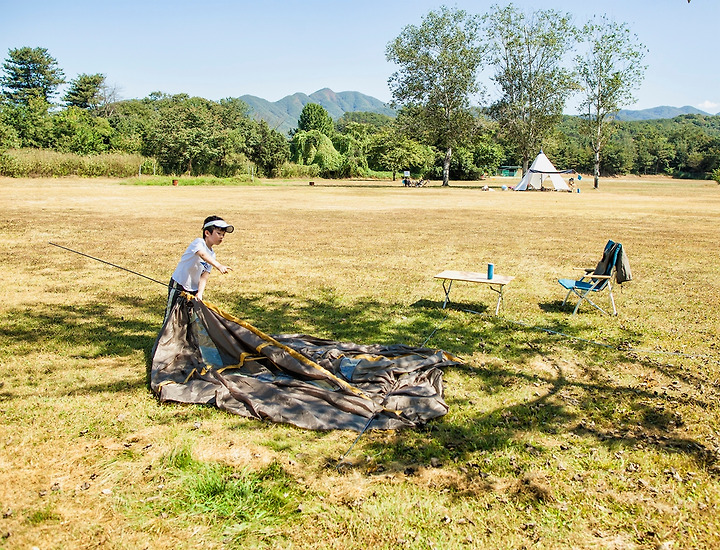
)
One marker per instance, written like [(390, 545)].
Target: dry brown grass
[(550, 442)]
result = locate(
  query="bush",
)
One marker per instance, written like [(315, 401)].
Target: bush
[(9, 166), (290, 170), (716, 175), (17, 163)]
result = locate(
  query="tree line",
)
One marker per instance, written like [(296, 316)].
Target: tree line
[(183, 134), (537, 61)]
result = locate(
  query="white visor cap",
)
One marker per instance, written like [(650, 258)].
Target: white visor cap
[(220, 224)]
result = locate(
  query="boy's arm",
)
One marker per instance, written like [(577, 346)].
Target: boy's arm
[(201, 284), (213, 262)]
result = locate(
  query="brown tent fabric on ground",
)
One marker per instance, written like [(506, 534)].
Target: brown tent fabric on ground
[(206, 356)]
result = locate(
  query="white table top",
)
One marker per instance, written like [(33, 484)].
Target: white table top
[(473, 277)]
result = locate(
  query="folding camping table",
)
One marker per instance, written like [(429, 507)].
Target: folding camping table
[(496, 284)]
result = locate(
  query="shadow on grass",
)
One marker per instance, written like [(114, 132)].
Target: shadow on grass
[(83, 332), (647, 423), (87, 331), (590, 402), (556, 306), (453, 306)]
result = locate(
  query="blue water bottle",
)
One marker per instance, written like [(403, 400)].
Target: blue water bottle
[(491, 271)]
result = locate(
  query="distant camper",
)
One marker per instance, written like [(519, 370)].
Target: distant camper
[(406, 178)]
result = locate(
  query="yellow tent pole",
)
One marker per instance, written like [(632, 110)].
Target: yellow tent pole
[(293, 353)]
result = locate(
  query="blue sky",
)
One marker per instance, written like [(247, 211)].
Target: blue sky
[(271, 48)]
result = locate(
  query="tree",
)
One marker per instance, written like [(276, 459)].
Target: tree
[(439, 62), (618, 156), (86, 91), (527, 52), (608, 71), (375, 120), (131, 121), (314, 147), (315, 117), (30, 73), (487, 155), (353, 144), (184, 135), (31, 124), (392, 150), (716, 175), (9, 137), (75, 130), (270, 150)]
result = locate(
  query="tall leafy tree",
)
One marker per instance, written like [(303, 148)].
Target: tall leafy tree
[(31, 124), (313, 147), (270, 150), (353, 145), (30, 73), (183, 135), (9, 136), (86, 91), (488, 154), (131, 121), (234, 138), (393, 150), (315, 117), (76, 130), (527, 52), (609, 69), (439, 61)]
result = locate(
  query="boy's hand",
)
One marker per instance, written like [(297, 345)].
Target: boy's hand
[(224, 269)]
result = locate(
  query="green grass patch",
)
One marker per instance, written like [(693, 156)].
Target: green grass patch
[(46, 514), (240, 503)]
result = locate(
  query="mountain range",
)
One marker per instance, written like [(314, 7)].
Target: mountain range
[(283, 114), (659, 112)]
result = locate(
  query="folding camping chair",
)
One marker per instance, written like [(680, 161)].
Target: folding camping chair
[(596, 280)]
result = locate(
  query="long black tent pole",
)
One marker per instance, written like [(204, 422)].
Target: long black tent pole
[(111, 264)]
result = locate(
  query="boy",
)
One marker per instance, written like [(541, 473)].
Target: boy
[(193, 269)]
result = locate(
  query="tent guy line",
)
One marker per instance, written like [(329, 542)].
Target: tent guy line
[(113, 265)]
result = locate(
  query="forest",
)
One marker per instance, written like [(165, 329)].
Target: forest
[(179, 134)]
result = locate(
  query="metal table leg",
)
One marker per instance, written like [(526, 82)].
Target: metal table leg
[(500, 297), (446, 288)]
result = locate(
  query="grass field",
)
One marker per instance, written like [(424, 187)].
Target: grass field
[(564, 431)]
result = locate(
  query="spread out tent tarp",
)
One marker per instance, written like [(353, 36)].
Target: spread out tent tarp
[(206, 356), (541, 174)]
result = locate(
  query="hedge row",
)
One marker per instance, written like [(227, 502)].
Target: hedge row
[(24, 163)]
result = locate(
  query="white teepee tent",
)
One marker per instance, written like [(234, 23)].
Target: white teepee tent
[(541, 173)]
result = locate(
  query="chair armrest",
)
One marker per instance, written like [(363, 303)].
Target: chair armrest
[(589, 276)]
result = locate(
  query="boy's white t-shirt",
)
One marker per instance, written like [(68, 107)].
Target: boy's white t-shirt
[(191, 266)]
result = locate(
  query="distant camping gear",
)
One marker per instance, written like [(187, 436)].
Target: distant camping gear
[(542, 174)]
